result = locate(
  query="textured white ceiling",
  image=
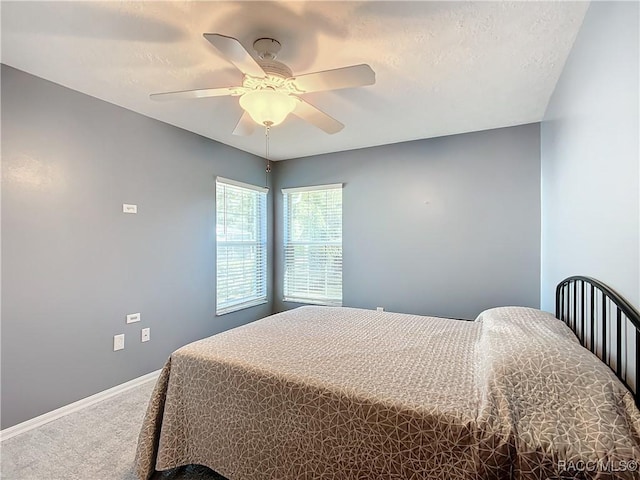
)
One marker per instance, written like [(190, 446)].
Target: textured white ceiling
[(441, 67)]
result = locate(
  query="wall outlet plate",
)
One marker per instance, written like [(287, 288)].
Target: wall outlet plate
[(118, 342), (145, 335), (133, 317), (380, 309)]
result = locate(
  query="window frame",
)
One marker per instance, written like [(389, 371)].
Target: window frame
[(260, 243), (297, 297)]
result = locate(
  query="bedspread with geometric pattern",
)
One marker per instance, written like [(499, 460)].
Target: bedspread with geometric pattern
[(343, 393)]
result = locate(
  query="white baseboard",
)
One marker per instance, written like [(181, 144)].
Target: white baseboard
[(75, 406)]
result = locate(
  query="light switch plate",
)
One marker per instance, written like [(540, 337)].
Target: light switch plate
[(133, 317), (145, 335), (128, 208)]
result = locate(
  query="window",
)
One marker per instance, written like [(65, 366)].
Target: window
[(241, 245), (313, 244)]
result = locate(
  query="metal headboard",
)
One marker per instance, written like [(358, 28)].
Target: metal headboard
[(605, 323)]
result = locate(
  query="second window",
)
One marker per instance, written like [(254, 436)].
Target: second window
[(313, 244)]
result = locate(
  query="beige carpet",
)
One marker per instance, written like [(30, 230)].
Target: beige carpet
[(96, 443)]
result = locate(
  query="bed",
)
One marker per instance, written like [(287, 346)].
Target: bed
[(343, 393)]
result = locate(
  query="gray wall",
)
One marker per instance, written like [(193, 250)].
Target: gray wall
[(73, 265), (475, 244), (589, 157)]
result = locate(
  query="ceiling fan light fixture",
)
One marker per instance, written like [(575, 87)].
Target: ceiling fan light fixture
[(267, 107)]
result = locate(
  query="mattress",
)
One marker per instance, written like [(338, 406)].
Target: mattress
[(343, 393)]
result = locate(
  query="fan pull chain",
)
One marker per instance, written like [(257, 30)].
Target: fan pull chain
[(267, 129)]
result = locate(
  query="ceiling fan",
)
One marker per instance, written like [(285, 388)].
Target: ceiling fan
[(269, 91)]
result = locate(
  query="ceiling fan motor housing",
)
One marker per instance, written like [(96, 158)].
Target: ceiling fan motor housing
[(273, 67)]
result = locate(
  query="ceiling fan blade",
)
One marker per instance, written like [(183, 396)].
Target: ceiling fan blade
[(346, 77), (245, 125), (205, 92), (316, 117), (236, 54)]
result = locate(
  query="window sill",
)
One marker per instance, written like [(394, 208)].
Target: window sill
[(241, 306), (309, 301)]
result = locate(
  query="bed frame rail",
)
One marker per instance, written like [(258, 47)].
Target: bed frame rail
[(605, 323)]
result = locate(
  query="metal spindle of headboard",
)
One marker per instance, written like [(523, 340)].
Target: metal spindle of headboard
[(600, 318)]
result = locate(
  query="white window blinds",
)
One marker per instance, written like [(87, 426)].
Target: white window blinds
[(241, 245), (313, 244)]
